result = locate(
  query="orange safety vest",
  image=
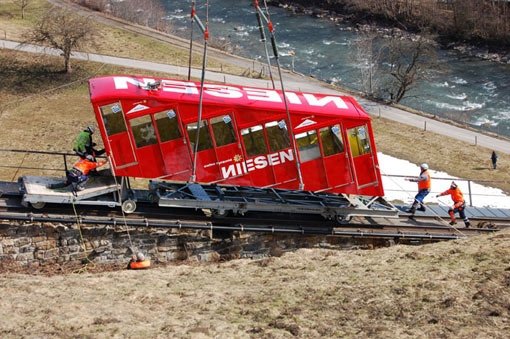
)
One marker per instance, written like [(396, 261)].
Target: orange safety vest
[(424, 184), (455, 193), (85, 166)]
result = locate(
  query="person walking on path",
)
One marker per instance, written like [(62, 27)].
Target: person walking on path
[(424, 184), (459, 205), (494, 159)]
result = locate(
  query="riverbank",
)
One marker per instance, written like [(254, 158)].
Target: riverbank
[(492, 50)]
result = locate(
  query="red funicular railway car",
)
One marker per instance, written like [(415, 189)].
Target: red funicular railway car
[(149, 128)]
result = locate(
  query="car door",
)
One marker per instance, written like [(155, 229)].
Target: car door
[(173, 145), (118, 142)]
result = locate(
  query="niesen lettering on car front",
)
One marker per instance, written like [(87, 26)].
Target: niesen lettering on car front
[(230, 92), (260, 162)]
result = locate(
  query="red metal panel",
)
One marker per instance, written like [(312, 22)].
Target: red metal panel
[(177, 160), (260, 177), (188, 92), (365, 170), (339, 173), (365, 165), (314, 175), (207, 167), (122, 154), (151, 163), (284, 169), (249, 107)]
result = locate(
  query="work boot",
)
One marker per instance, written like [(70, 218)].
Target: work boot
[(453, 222), (422, 208), (467, 223)]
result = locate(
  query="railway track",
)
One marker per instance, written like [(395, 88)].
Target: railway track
[(424, 228)]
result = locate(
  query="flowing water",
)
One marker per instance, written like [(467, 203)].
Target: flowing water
[(468, 90)]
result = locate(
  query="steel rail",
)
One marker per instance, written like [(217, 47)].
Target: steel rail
[(177, 224), (265, 221), (393, 232), (151, 215)]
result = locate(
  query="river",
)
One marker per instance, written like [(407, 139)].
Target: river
[(468, 90)]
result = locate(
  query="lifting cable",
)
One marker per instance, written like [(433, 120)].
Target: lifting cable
[(205, 31), (191, 38), (264, 41), (119, 192), (78, 223), (270, 27)]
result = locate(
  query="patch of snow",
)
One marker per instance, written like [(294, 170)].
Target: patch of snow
[(396, 187)]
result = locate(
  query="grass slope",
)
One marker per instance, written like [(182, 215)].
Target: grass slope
[(456, 289)]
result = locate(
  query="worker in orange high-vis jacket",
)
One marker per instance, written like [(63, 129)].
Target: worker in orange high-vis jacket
[(459, 205), (79, 174), (424, 184)]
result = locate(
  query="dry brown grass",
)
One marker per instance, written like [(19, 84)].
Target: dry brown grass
[(11, 25), (109, 40), (457, 289)]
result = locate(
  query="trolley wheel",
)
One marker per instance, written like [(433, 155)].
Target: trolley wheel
[(220, 213), (152, 198), (343, 219), (38, 205), (128, 206)]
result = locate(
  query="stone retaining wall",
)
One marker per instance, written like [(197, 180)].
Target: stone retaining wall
[(35, 244)]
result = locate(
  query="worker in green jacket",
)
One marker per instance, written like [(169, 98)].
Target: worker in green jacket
[(83, 144)]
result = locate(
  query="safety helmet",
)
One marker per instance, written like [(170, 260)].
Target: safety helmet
[(424, 166), (91, 129), (140, 256), (453, 184), (90, 157)]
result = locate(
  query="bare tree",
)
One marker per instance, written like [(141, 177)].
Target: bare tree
[(150, 13), (22, 5), (476, 21), (64, 31), (409, 60), (366, 54)]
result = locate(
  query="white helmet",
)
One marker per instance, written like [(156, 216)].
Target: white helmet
[(424, 166), (453, 184), (91, 129)]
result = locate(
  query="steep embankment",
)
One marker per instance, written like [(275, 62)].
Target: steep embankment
[(457, 289)]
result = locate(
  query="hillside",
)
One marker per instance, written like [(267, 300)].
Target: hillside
[(456, 289)]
